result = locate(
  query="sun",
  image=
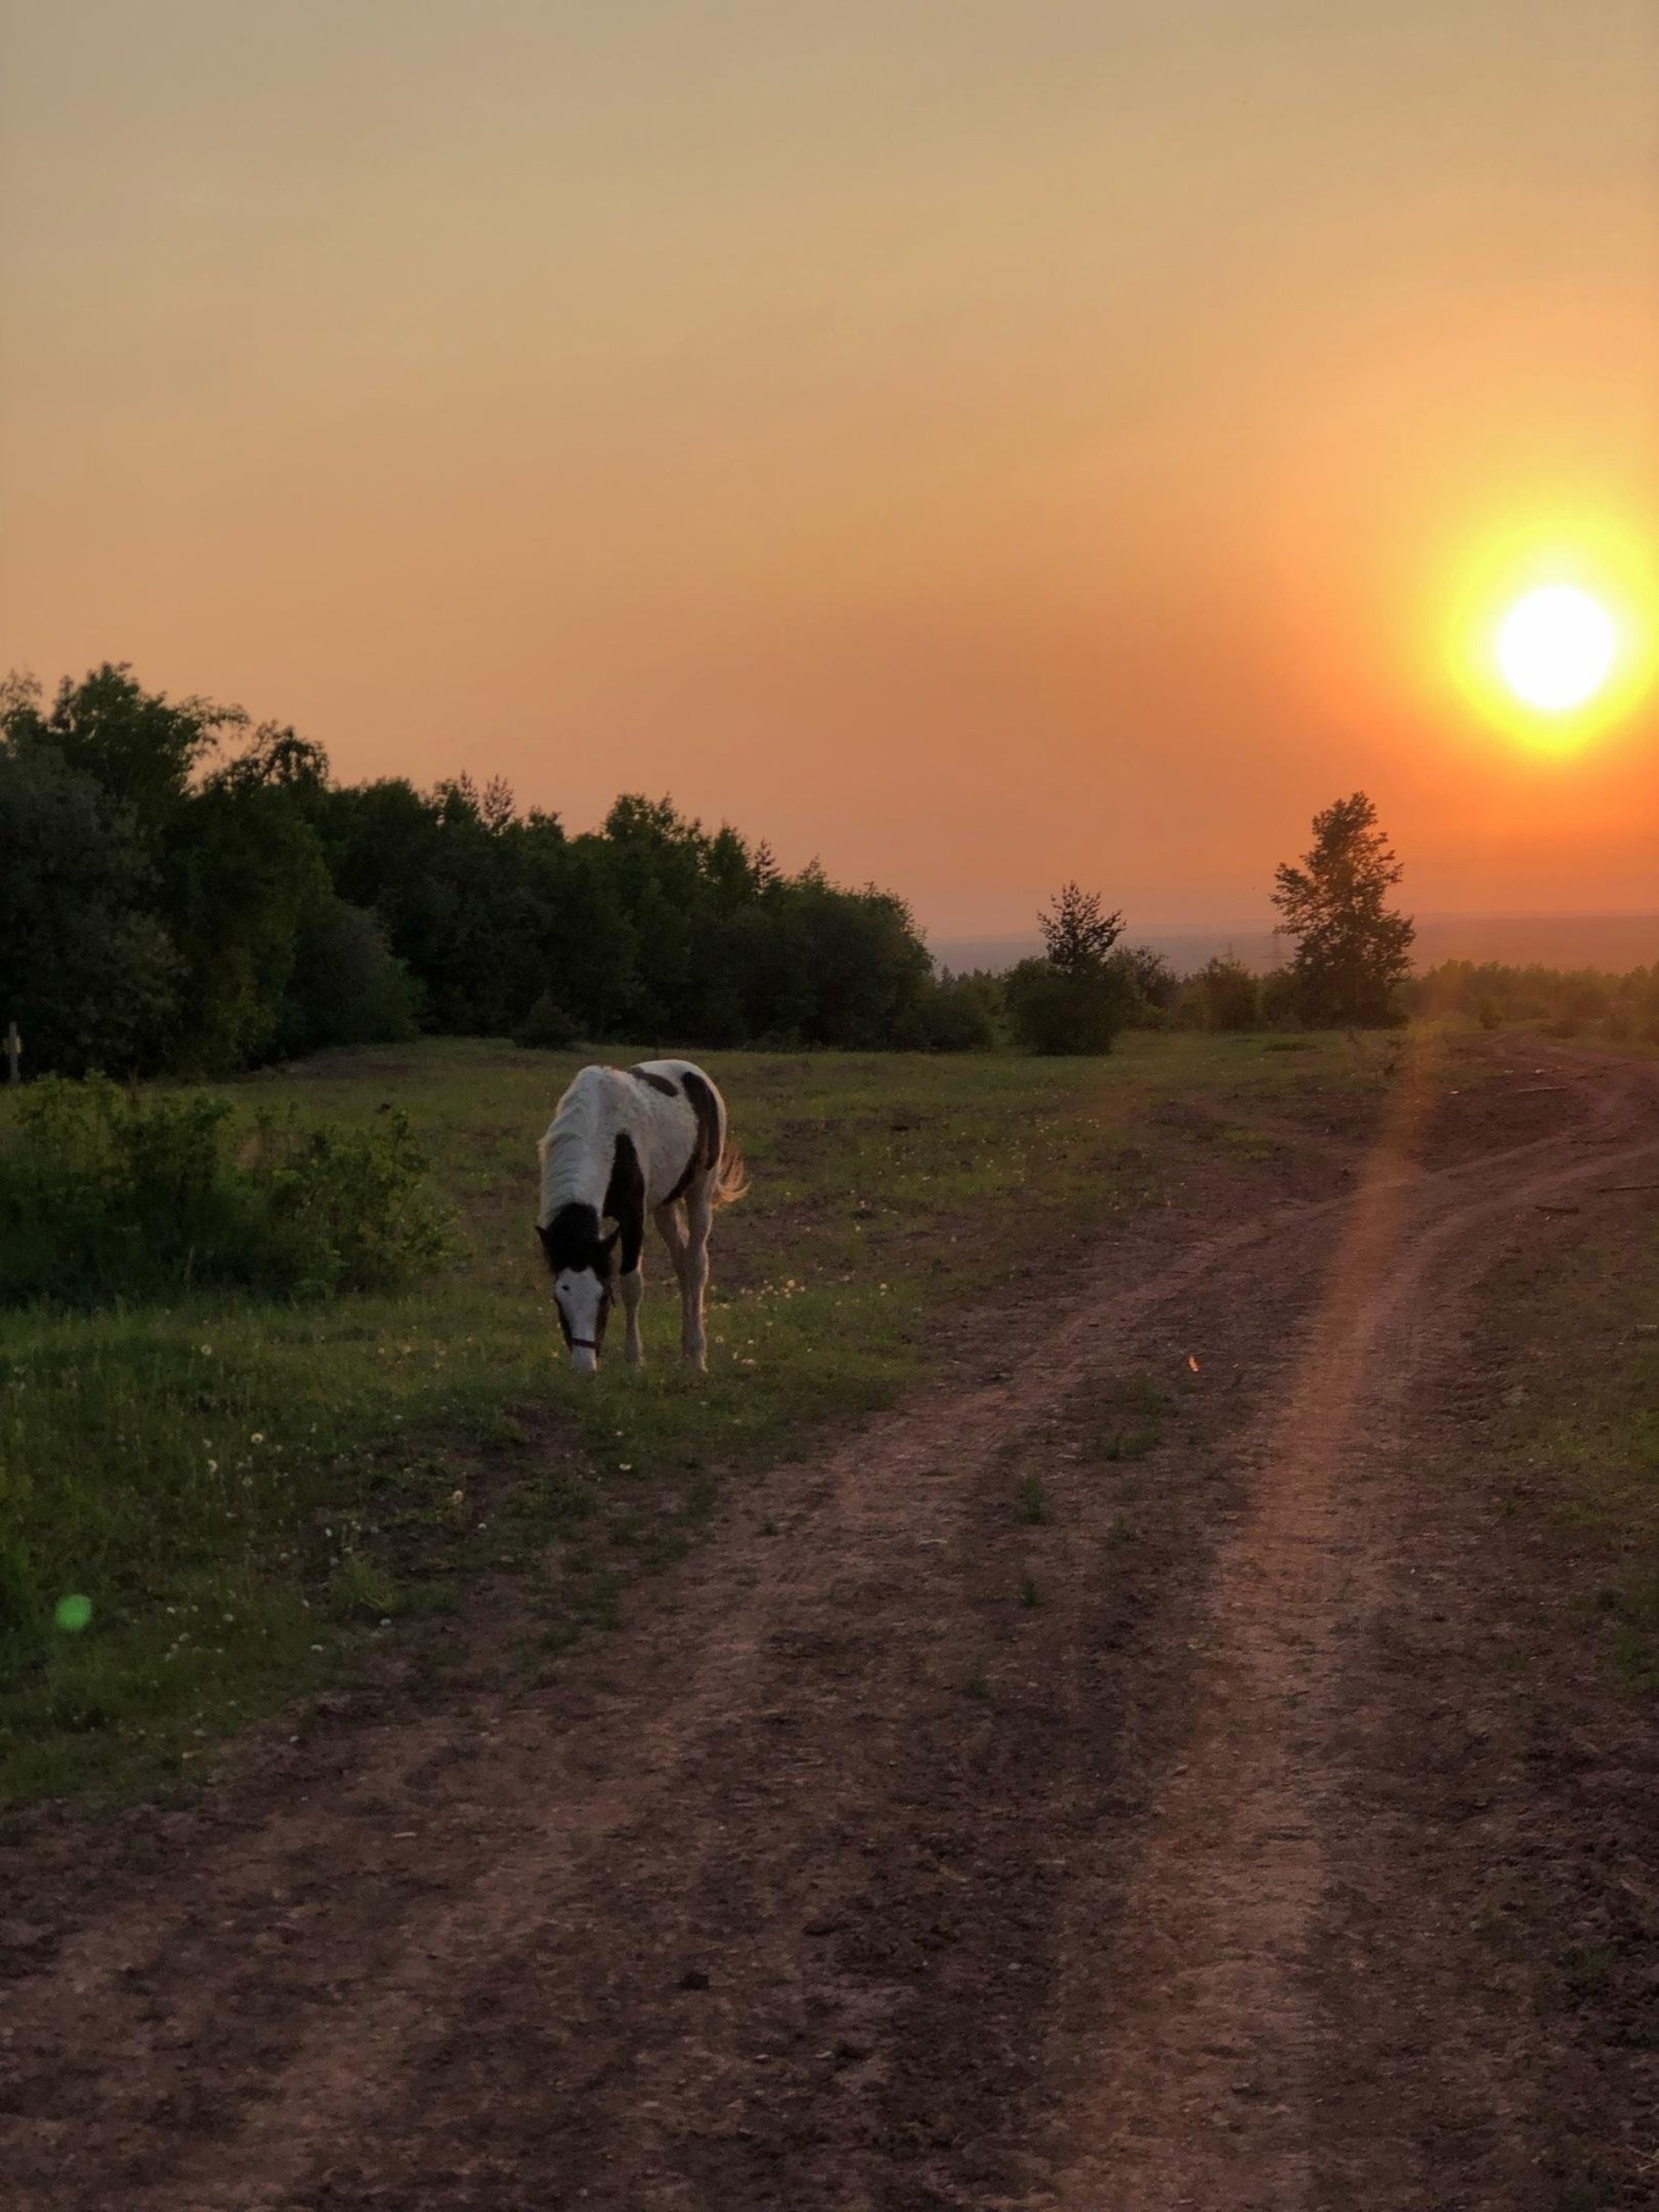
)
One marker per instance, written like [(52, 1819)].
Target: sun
[(1556, 648), (1547, 620)]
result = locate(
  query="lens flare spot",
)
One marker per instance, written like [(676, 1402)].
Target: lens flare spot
[(73, 1613)]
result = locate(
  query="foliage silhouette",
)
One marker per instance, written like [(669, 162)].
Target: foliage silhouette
[(191, 895), (1353, 952)]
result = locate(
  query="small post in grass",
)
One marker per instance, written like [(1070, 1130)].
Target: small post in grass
[(13, 1053)]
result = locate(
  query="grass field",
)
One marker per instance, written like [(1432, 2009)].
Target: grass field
[(246, 1492), (1581, 1433)]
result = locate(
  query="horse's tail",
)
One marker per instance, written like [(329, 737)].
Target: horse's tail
[(732, 1178)]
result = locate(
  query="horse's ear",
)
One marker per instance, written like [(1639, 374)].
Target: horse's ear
[(609, 1244), (546, 1236)]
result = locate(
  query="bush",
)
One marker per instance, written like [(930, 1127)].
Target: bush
[(1278, 997), (342, 1209), (1224, 994), (108, 1194), (546, 1027), (959, 1014), (1152, 987), (1053, 1012)]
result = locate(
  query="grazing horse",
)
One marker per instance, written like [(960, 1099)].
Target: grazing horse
[(624, 1143)]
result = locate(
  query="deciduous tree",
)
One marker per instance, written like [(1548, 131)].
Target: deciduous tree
[(1353, 950)]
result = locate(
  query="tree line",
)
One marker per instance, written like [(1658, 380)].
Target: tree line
[(1621, 1007), (182, 891)]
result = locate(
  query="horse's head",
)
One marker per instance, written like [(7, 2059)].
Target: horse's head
[(580, 1262)]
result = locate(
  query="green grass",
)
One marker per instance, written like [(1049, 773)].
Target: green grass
[(1030, 1502), (250, 1492), (1126, 1417), (1583, 1436)]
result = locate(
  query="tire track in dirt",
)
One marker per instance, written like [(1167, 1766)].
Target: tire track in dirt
[(1199, 2088)]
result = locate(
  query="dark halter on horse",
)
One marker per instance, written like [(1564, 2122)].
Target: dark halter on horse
[(587, 1343)]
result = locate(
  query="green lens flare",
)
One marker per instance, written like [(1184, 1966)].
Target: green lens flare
[(73, 1613)]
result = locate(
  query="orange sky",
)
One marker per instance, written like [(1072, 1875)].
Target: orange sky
[(980, 444)]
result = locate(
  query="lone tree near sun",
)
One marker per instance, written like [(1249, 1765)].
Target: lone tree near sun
[(1352, 951)]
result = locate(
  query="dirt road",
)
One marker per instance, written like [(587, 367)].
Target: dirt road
[(1052, 1798)]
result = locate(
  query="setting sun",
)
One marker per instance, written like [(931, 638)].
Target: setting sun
[(1556, 648), (1549, 614)]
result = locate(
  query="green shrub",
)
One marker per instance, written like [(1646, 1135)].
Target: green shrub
[(359, 1590), (107, 1193), (341, 1208), (1229, 997), (1277, 997), (1152, 987), (959, 1014), (1053, 1012), (546, 1027)]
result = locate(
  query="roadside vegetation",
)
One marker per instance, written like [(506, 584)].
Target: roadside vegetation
[(1579, 1437), (106, 1194), (1569, 1488), (244, 1489), (1588, 1002)]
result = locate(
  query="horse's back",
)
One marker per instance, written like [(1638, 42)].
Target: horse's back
[(685, 1081), (675, 1074), (669, 1110)]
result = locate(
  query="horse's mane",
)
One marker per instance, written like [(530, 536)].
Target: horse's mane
[(576, 1146)]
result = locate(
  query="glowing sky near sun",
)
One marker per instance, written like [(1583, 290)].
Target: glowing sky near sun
[(978, 444)]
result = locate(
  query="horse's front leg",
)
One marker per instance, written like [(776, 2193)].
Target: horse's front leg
[(632, 1290)]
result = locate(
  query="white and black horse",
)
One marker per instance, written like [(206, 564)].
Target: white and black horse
[(624, 1143)]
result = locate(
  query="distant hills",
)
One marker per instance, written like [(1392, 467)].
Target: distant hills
[(1611, 940)]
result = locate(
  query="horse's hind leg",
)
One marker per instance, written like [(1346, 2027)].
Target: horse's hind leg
[(631, 1289), (671, 1224), (694, 1277)]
